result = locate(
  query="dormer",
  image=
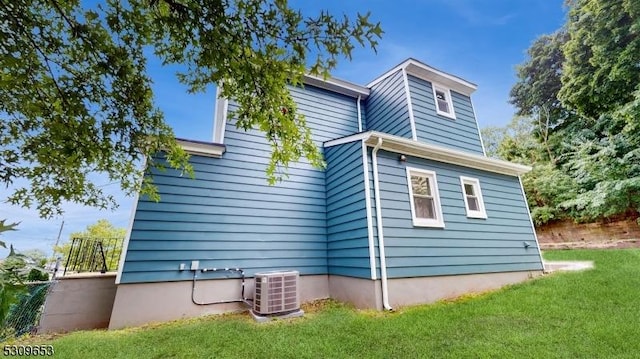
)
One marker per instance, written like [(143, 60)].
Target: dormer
[(419, 102)]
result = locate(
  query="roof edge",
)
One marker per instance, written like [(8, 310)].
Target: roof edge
[(337, 85), (429, 73), (434, 152)]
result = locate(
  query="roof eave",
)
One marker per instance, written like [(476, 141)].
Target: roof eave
[(433, 152), (337, 85), (418, 69)]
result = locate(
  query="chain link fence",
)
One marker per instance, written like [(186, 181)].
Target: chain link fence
[(23, 315)]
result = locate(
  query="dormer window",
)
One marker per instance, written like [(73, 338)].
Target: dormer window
[(444, 105)]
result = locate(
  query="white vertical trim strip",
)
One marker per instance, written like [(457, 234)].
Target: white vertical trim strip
[(475, 118), (220, 117), (125, 245), (412, 119), (533, 227), (359, 114), (367, 192), (383, 257)]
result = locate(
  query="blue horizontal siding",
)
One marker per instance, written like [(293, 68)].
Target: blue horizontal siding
[(347, 236), (460, 133), (228, 216), (465, 245), (387, 109)]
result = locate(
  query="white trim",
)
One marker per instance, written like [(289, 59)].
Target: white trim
[(426, 72), (393, 70), (337, 85), (435, 87), (533, 227), (347, 139), (359, 114), (433, 152), (482, 211), (475, 117), (201, 148), (220, 117), (125, 245), (412, 119), (383, 256), (367, 191), (437, 222)]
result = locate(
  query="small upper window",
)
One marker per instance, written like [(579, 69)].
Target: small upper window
[(424, 198), (444, 105), (473, 197)]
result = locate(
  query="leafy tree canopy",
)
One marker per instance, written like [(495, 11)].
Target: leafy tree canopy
[(76, 98), (602, 54), (580, 90)]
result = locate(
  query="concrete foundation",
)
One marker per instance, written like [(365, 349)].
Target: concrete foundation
[(362, 293), (78, 302), (141, 303), (420, 290)]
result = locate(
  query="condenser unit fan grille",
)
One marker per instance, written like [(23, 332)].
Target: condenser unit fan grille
[(276, 292)]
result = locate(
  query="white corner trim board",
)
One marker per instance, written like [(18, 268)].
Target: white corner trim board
[(533, 227), (220, 118), (412, 119), (367, 192), (359, 114), (125, 245)]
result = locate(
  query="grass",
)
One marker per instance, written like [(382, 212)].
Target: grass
[(591, 314)]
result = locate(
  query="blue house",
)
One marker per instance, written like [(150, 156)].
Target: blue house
[(408, 210)]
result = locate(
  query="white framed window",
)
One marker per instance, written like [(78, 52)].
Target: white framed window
[(424, 198), (472, 195), (444, 103)]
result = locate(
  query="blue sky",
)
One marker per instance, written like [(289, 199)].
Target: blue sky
[(481, 41)]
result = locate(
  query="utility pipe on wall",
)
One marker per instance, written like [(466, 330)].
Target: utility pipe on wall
[(383, 258)]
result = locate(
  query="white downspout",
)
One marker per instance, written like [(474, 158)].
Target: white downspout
[(359, 115), (383, 258)]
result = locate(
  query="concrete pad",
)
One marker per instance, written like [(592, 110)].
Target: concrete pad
[(554, 266)]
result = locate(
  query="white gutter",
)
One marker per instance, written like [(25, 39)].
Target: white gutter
[(359, 114), (383, 259), (367, 193), (533, 227), (433, 152)]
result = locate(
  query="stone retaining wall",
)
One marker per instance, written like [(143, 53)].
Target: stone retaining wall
[(568, 231)]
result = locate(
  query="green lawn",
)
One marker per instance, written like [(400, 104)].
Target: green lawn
[(592, 314)]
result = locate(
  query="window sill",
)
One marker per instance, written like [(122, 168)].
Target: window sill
[(477, 215), (428, 224), (447, 115)]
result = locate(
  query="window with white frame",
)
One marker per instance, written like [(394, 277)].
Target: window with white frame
[(473, 197), (444, 104), (424, 198)]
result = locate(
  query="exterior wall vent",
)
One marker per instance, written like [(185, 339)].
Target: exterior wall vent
[(276, 292)]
